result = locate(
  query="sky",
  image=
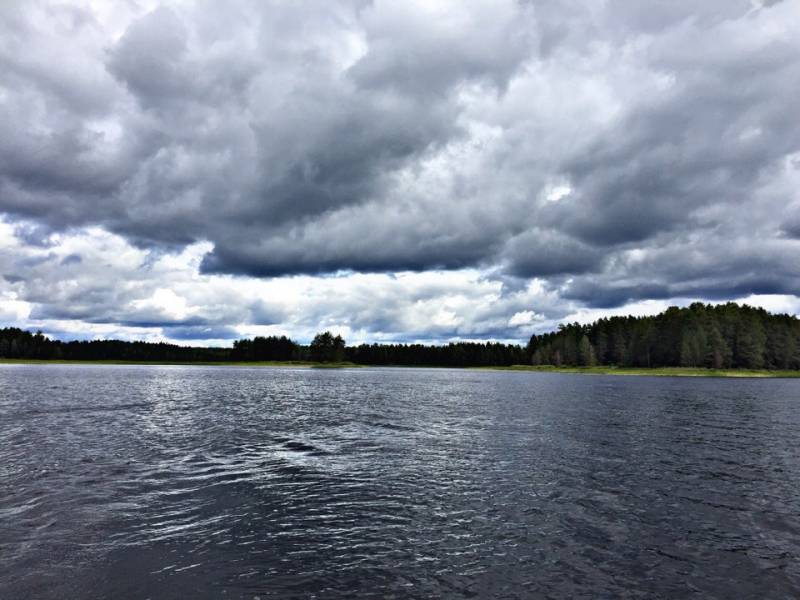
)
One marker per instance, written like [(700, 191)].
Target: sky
[(199, 172)]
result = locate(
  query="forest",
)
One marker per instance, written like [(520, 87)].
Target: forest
[(720, 336), (19, 344), (702, 335)]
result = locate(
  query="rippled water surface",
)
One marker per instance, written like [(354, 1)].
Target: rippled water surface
[(224, 482)]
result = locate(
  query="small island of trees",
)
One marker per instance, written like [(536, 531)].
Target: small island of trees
[(726, 336)]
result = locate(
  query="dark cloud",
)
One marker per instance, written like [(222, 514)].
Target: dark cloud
[(201, 333), (792, 231), (708, 142), (150, 59), (424, 54), (616, 152), (713, 266), (544, 253), (338, 245)]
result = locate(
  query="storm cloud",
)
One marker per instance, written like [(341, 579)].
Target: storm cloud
[(602, 154)]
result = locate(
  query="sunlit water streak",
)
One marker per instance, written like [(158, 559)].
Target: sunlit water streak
[(167, 482)]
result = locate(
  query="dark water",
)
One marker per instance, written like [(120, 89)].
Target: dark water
[(193, 482)]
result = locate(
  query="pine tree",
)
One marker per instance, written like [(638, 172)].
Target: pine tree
[(750, 343), (718, 353), (619, 348), (557, 358), (536, 358), (693, 347), (601, 343), (586, 356)]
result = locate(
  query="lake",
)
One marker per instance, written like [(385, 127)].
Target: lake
[(228, 482)]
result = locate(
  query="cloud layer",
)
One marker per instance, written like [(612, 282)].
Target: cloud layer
[(533, 158)]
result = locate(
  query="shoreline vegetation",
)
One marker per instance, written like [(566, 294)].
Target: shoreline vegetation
[(656, 372), (724, 340), (602, 370)]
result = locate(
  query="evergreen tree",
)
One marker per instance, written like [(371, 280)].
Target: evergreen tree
[(721, 336), (718, 353), (557, 358), (619, 349), (327, 348), (601, 342), (750, 343), (586, 356), (693, 347), (536, 358)]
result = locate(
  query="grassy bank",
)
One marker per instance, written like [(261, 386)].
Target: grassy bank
[(658, 372)]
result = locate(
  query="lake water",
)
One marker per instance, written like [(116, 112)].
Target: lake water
[(225, 482)]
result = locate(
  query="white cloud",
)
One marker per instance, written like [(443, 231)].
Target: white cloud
[(523, 318), (392, 170), (775, 303)]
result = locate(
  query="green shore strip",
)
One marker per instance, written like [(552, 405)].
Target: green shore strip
[(658, 372)]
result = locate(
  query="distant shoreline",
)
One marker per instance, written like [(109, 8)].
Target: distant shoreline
[(656, 372), (618, 371)]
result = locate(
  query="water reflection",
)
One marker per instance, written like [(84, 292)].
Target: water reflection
[(208, 482)]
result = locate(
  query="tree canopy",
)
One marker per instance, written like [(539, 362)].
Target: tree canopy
[(701, 335), (325, 347)]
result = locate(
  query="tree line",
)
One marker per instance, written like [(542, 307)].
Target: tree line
[(325, 347), (702, 335), (18, 343), (454, 354)]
